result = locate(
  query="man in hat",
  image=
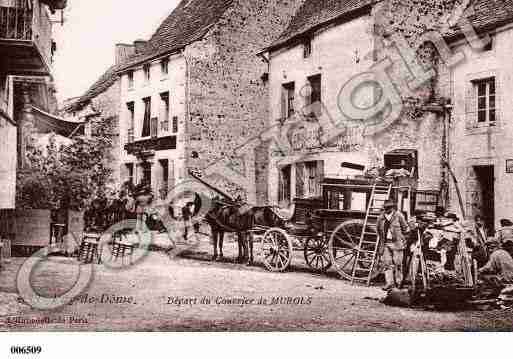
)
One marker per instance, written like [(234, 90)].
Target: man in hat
[(392, 229)]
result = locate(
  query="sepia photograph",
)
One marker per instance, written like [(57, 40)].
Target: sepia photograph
[(249, 166)]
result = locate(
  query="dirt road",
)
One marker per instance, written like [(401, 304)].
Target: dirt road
[(164, 294)]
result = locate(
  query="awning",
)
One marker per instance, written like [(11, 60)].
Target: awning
[(46, 122)]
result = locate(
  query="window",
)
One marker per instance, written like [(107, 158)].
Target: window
[(164, 111), (315, 97), (147, 72), (313, 179), (486, 112), (164, 66), (307, 48), (308, 179), (288, 92), (146, 130), (130, 172), (154, 127), (284, 184), (175, 124), (315, 89), (131, 121), (130, 79)]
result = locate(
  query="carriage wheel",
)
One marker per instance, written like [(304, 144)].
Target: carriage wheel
[(316, 254), (276, 250), (343, 249)]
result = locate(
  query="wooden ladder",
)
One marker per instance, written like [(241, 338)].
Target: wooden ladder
[(370, 240)]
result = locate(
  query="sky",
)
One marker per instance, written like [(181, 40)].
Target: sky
[(85, 44)]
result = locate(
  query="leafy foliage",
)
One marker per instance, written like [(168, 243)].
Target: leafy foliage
[(67, 176)]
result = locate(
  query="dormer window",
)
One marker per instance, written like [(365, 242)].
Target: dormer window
[(147, 73)]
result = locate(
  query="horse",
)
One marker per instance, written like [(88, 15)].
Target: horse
[(239, 218)]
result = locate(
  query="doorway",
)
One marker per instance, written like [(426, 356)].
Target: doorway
[(486, 179)]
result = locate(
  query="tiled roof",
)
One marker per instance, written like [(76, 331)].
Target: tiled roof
[(314, 13), (488, 15), (188, 22)]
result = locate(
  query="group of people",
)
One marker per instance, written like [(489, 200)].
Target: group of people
[(494, 257), (137, 203), (132, 203)]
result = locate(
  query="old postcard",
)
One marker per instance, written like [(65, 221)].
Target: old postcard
[(255, 166)]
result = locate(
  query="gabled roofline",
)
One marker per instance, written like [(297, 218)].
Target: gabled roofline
[(130, 66), (338, 19)]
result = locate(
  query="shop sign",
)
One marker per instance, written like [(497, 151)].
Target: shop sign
[(351, 140), (306, 136)]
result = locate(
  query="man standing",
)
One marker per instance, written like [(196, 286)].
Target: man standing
[(392, 228), (479, 252)]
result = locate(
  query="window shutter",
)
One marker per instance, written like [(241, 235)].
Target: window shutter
[(319, 177), (300, 180), (283, 103), (146, 130), (471, 106)]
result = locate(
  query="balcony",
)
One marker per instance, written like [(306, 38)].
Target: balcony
[(25, 37), (151, 145)]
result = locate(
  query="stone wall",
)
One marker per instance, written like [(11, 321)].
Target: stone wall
[(228, 98)]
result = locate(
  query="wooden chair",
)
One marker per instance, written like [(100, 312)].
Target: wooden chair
[(89, 248)]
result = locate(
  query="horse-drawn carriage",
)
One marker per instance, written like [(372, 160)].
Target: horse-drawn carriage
[(338, 229)]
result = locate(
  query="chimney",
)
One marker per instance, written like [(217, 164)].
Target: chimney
[(123, 51), (139, 46)]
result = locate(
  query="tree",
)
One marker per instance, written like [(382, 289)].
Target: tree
[(67, 176)]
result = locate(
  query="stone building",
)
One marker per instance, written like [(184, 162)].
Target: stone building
[(481, 131), (456, 113), (197, 92), (326, 46)]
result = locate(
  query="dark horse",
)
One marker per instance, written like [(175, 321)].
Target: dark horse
[(236, 217)]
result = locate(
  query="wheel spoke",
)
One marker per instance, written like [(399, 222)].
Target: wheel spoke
[(347, 253), (344, 242), (280, 262), (349, 261), (322, 262), (325, 257)]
